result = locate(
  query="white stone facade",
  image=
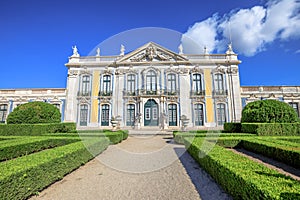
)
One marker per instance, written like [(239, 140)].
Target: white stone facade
[(151, 87)]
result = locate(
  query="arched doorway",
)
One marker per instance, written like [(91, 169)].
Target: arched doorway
[(151, 113)]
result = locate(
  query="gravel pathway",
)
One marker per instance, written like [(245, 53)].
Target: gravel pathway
[(148, 167)]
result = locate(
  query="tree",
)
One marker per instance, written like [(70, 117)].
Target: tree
[(34, 113), (269, 111)]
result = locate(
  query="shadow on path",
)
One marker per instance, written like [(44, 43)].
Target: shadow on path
[(207, 188)]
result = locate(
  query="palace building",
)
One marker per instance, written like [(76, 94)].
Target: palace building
[(151, 87)]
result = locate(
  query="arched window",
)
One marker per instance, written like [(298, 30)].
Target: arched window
[(105, 115), (197, 83), (131, 83), (221, 113), (106, 84), (3, 113), (151, 82), (83, 115), (130, 115), (219, 84), (85, 88), (198, 111), (171, 84)]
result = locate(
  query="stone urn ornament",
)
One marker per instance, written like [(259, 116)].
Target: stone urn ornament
[(184, 122), (114, 122)]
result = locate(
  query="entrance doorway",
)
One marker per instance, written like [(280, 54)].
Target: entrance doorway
[(151, 113), (172, 108)]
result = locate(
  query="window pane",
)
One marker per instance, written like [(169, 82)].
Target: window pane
[(154, 113), (106, 83), (147, 114), (198, 114), (221, 114), (197, 84)]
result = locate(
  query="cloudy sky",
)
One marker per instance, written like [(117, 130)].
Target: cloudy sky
[(36, 36)]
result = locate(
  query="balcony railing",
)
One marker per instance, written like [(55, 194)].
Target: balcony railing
[(171, 92), (105, 93), (84, 94), (197, 93), (129, 93), (220, 92), (142, 92)]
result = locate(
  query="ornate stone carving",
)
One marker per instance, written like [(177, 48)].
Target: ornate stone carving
[(150, 54), (232, 70), (221, 99), (219, 69), (196, 69), (199, 99), (73, 73)]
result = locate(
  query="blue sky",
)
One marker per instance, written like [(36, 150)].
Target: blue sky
[(36, 36)]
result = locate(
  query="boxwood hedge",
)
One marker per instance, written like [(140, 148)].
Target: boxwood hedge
[(36, 129), (25, 146), (25, 176), (243, 178)]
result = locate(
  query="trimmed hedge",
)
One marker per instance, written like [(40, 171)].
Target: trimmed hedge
[(115, 137), (25, 176), (34, 113), (269, 111), (232, 127), (179, 136), (36, 129), (282, 152), (21, 147), (287, 129), (243, 178)]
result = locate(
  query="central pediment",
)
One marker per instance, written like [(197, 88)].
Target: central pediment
[(151, 52)]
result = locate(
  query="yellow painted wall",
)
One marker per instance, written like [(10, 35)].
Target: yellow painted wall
[(95, 90), (208, 91)]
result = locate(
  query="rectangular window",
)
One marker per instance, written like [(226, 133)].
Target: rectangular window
[(219, 84), (221, 114), (106, 85), (3, 113), (294, 105), (85, 90), (154, 113), (131, 83), (171, 85), (147, 114)]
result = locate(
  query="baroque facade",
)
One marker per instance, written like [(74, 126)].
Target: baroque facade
[(151, 87)]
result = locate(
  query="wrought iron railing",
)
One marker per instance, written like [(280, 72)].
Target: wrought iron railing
[(84, 93), (197, 93), (220, 92), (105, 93)]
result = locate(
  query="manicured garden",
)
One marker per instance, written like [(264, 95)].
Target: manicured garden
[(42, 150), (31, 163), (269, 128)]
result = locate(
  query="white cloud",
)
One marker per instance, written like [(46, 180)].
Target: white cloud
[(250, 30), (298, 51), (200, 35)]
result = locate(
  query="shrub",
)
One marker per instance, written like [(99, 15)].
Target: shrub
[(269, 111), (232, 127), (274, 151), (243, 178), (25, 146), (25, 176), (34, 113), (272, 128), (36, 129)]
